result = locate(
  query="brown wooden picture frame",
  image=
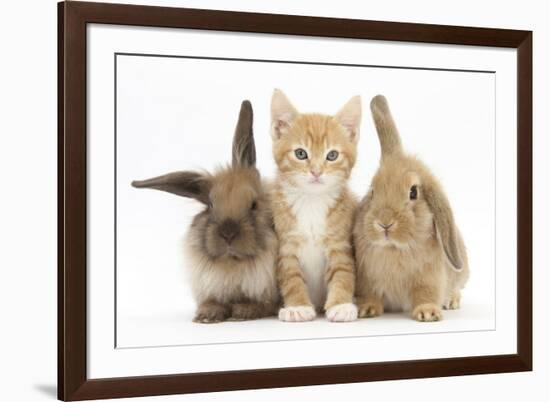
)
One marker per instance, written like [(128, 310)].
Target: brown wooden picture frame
[(73, 383)]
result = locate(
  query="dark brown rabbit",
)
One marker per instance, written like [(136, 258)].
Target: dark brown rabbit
[(231, 244)]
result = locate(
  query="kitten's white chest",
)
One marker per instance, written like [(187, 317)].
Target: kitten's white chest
[(311, 212), (311, 215)]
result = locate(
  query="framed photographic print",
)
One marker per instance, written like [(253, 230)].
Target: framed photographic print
[(340, 200)]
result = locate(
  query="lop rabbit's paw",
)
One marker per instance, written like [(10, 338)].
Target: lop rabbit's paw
[(427, 312)]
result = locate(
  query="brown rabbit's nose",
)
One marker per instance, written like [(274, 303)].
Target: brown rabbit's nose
[(228, 230)]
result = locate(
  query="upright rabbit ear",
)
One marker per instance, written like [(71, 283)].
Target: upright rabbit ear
[(185, 184), (350, 118), (244, 150), (444, 222), (282, 114), (388, 134)]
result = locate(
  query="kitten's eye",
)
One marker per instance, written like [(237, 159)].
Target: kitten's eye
[(254, 206), (332, 155), (413, 195), (300, 154)]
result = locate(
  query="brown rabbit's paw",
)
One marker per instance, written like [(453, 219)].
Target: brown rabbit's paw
[(427, 312), (246, 311), (297, 313), (371, 309), (210, 314)]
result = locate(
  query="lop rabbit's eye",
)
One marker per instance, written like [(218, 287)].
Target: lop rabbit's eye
[(413, 195), (300, 154), (332, 155), (254, 206)]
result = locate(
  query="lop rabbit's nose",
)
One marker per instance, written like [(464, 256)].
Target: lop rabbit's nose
[(228, 230), (385, 226)]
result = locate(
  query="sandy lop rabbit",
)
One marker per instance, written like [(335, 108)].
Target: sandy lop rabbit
[(231, 246), (410, 255)]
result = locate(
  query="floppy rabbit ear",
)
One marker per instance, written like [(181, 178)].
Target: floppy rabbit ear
[(388, 134), (444, 223), (244, 150), (185, 184), (282, 114)]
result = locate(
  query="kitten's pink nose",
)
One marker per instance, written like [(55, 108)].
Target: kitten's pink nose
[(315, 174)]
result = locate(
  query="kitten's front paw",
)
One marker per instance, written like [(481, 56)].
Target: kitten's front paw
[(342, 312), (372, 308), (427, 312), (297, 313)]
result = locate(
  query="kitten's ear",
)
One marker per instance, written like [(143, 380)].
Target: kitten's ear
[(350, 117), (282, 114)]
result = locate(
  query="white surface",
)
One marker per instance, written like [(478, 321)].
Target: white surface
[(28, 146), (171, 325), (163, 116)]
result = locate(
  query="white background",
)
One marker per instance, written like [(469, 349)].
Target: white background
[(28, 213), (177, 114)]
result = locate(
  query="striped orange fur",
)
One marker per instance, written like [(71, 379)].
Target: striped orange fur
[(313, 209)]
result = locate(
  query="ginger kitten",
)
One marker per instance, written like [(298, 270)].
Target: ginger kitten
[(313, 209)]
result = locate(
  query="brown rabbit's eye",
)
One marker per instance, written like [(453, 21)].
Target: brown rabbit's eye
[(254, 206), (413, 195)]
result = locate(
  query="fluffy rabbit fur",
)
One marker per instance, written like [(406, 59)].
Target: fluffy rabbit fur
[(231, 245), (410, 255)]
